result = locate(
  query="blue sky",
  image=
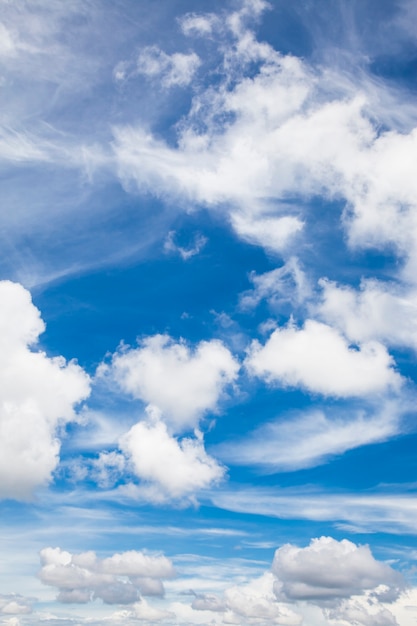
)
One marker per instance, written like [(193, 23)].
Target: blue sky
[(208, 313)]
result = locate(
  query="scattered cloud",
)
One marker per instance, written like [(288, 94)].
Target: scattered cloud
[(312, 438), (319, 359), (170, 468), (38, 396), (330, 569), (185, 253), (377, 510), (13, 604), (284, 285), (118, 579), (175, 69), (377, 311), (183, 383)]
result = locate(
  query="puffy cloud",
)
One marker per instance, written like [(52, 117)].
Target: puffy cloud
[(318, 358), (274, 233), (142, 611), (329, 569), (252, 603), (118, 579), (377, 311), (170, 468), (174, 69), (182, 383), (38, 394), (198, 24), (14, 604), (361, 611), (310, 439), (256, 603)]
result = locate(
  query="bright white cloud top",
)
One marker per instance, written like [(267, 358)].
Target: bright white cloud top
[(208, 319), (38, 396)]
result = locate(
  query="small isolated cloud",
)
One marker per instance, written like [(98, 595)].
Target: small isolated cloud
[(311, 439), (185, 253), (119, 579), (169, 468), (328, 569), (319, 359), (199, 24), (38, 394), (287, 284), (183, 383), (14, 604), (176, 69)]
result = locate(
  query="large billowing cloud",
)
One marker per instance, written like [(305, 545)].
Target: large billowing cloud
[(37, 395), (329, 569), (118, 579), (319, 359), (184, 384), (327, 583)]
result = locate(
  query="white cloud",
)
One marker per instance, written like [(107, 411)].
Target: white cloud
[(291, 132), (142, 611), (199, 24), (118, 579), (37, 395), (365, 611), (285, 284), (184, 384), (175, 69), (375, 511), (185, 253), (318, 358), (13, 604), (170, 468), (377, 311), (257, 603), (310, 439), (273, 233), (328, 569)]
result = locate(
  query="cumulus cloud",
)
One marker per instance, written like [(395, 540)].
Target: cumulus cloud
[(319, 359), (38, 394), (329, 569), (362, 611), (312, 438), (377, 311), (183, 383), (14, 604), (252, 603), (173, 69), (119, 579), (170, 468)]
